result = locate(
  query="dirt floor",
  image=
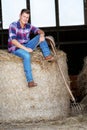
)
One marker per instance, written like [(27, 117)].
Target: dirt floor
[(70, 123)]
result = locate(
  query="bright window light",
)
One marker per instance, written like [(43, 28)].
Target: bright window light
[(71, 12), (43, 13), (11, 10)]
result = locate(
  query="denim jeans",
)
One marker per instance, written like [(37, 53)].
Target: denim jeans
[(33, 43)]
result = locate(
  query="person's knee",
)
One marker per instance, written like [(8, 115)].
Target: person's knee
[(27, 55)]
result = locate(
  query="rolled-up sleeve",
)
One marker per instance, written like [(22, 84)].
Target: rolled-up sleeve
[(34, 29), (12, 32)]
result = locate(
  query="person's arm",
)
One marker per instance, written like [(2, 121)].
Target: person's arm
[(37, 30), (13, 38), (41, 32), (17, 44)]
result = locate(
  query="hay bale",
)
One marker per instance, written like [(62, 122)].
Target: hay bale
[(48, 101), (82, 86), (82, 80)]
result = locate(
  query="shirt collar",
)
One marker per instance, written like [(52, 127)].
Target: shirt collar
[(18, 25)]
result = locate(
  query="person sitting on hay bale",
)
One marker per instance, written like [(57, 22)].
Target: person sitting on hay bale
[(19, 43)]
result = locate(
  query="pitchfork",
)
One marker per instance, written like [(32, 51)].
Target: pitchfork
[(74, 105)]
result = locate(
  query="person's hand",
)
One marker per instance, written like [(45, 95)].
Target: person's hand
[(41, 32), (29, 50), (42, 38)]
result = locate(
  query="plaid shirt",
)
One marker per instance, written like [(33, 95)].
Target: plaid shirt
[(22, 35)]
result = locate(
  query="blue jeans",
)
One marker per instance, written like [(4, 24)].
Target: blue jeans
[(33, 43)]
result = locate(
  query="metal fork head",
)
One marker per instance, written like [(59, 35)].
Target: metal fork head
[(76, 108)]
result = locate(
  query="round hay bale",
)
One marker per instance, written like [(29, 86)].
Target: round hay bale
[(82, 80), (50, 100)]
